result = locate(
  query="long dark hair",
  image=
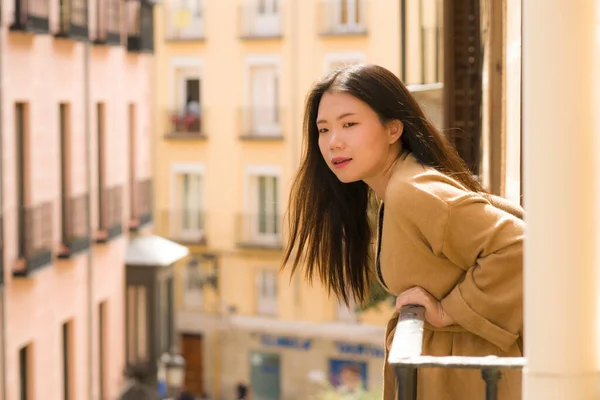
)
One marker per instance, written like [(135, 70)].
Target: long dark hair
[(329, 225)]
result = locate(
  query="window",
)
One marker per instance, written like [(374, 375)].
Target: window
[(68, 364), (266, 289), (187, 113), (25, 372), (190, 199), (267, 212), (192, 283), (346, 16), (263, 117), (137, 324), (166, 314), (65, 166), (185, 19), (262, 18), (101, 143)]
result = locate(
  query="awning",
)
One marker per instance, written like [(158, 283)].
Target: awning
[(154, 251)]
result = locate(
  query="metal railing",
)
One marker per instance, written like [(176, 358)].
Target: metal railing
[(35, 238), (32, 15), (185, 21), (261, 123), (259, 231), (108, 22), (75, 224), (111, 213), (187, 226), (261, 19), (345, 17), (140, 25), (405, 357), (183, 123), (141, 204), (73, 19)]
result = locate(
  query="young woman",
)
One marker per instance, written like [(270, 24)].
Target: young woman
[(441, 241)]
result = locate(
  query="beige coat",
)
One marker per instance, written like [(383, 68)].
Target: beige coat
[(468, 254)]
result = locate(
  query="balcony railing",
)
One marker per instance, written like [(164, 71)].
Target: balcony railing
[(260, 123), (75, 226), (185, 22), (405, 356), (140, 26), (259, 231), (185, 226), (141, 213), (184, 124), (111, 214), (261, 20), (35, 238), (343, 17), (108, 23), (31, 16), (73, 22)]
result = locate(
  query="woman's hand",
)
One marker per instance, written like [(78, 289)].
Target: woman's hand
[(434, 313)]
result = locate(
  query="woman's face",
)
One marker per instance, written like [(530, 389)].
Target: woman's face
[(354, 143)]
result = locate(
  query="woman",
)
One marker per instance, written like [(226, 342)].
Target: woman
[(442, 242)]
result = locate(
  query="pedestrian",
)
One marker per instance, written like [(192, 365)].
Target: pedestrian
[(242, 392), (441, 241)]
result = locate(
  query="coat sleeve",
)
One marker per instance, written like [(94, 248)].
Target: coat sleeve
[(488, 243)]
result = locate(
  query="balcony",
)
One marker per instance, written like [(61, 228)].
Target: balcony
[(75, 223), (183, 226), (261, 20), (35, 239), (185, 22), (108, 23), (31, 16), (141, 213), (261, 124), (262, 231), (343, 17), (140, 26), (111, 214), (73, 22), (184, 124)]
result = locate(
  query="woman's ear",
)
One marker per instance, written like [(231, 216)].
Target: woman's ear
[(396, 127)]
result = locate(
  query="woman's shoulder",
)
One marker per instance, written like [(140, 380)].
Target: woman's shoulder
[(413, 183)]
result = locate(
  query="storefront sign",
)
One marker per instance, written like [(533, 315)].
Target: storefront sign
[(285, 341), (360, 349)]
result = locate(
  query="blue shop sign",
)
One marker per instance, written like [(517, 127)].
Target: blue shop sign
[(360, 349), (285, 341)]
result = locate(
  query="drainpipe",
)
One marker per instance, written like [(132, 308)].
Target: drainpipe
[(2, 288), (89, 271)]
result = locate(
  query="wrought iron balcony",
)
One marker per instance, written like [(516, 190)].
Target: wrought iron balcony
[(406, 358), (185, 21), (261, 20), (347, 17), (31, 16), (141, 205), (260, 123), (184, 225), (186, 124), (111, 214), (75, 226), (259, 231), (35, 238), (73, 22), (108, 22), (140, 26)]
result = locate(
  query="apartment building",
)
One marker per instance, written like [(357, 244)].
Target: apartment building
[(231, 81), (76, 185)]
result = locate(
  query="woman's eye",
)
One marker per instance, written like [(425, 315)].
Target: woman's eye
[(349, 124), (323, 130)]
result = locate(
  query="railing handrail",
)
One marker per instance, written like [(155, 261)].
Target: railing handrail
[(407, 359)]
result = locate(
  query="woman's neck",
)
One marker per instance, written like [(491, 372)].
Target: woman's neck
[(379, 183)]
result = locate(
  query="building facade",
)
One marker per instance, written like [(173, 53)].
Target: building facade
[(231, 82), (75, 126)]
